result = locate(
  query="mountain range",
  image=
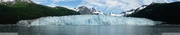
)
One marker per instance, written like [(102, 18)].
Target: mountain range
[(168, 13)]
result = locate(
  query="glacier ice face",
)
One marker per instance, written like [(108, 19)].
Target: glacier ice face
[(87, 20)]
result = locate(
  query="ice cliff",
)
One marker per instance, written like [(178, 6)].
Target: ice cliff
[(87, 20)]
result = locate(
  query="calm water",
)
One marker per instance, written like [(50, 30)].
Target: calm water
[(90, 30)]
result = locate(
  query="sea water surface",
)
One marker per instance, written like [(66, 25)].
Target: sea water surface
[(91, 30)]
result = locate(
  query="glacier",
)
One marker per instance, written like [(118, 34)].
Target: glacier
[(87, 20)]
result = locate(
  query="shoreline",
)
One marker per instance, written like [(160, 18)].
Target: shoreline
[(96, 25)]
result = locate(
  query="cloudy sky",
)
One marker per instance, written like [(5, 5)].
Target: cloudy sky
[(107, 6)]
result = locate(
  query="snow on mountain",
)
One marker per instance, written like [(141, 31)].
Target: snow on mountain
[(111, 14), (125, 13), (87, 20), (83, 10)]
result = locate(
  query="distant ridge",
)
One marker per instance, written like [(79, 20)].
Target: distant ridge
[(12, 11)]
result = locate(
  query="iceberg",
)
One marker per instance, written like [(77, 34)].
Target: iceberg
[(87, 20)]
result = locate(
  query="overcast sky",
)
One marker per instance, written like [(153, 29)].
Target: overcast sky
[(106, 6)]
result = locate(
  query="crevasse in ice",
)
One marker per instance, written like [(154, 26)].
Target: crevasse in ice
[(87, 20)]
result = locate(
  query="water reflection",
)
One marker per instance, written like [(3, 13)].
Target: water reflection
[(90, 30), (97, 30), (8, 29)]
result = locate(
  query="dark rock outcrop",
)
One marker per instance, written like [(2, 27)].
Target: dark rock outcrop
[(83, 10)]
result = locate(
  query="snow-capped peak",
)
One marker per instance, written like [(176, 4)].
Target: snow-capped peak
[(88, 11)]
